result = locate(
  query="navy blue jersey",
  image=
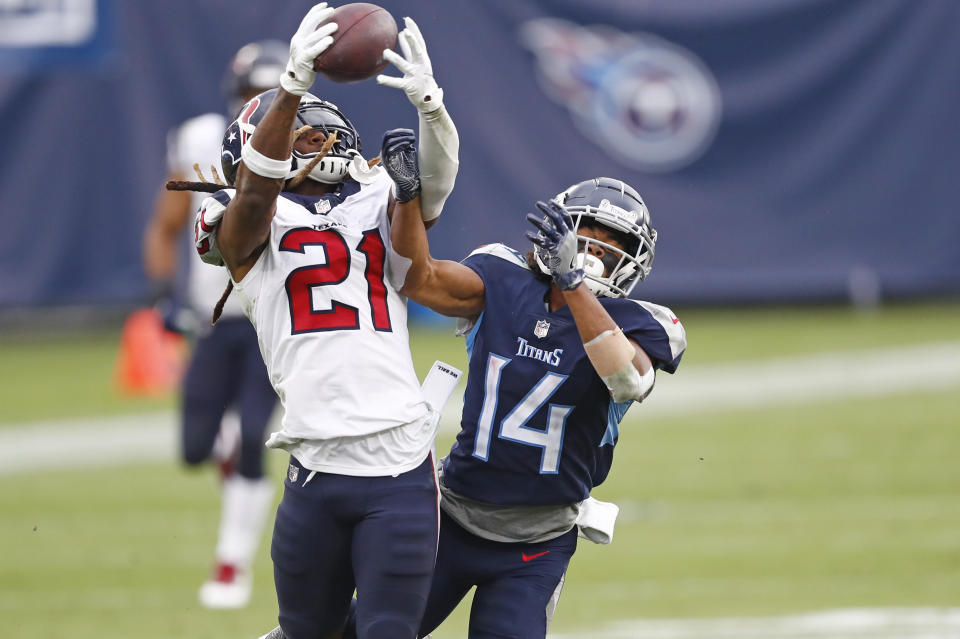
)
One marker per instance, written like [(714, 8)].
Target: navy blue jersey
[(539, 426)]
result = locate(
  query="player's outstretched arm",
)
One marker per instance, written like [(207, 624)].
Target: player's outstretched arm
[(449, 288), (439, 140), (260, 177), (266, 157), (161, 241), (624, 367)]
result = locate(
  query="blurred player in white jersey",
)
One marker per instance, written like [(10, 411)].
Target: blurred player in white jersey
[(227, 399), (305, 235)]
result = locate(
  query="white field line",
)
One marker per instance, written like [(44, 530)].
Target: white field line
[(86, 443), (861, 623), (714, 387), (805, 379)]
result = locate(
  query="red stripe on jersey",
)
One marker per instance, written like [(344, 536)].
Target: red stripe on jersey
[(203, 223)]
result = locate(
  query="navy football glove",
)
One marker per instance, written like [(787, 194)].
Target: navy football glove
[(556, 244), (177, 318), (399, 156)]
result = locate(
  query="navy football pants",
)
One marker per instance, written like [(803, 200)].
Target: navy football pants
[(226, 369), (378, 534), (515, 582)]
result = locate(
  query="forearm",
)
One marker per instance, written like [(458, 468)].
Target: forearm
[(246, 225), (588, 314), (595, 325), (273, 137), (448, 288), (409, 239), (171, 213), (159, 255)]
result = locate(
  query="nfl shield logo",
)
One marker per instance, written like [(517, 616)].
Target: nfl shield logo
[(540, 330), (292, 473), (323, 206)]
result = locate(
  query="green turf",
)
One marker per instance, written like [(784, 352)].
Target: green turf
[(829, 505), (741, 512), (841, 504), (55, 377)]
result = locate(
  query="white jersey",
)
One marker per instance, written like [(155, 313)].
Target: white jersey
[(332, 326), (198, 141)]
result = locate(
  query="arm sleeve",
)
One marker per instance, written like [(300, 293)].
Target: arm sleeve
[(439, 153)]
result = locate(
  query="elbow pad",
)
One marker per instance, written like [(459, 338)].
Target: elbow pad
[(628, 383), (611, 354), (439, 162), (205, 225)]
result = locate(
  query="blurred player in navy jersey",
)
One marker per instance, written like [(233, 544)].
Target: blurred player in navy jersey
[(226, 399), (305, 235), (557, 354)]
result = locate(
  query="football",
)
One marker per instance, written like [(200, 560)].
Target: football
[(364, 31)]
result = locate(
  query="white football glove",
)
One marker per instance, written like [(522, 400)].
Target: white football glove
[(417, 81), (305, 45), (205, 227)]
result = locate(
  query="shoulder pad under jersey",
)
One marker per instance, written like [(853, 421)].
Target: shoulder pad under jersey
[(502, 251), (670, 323)]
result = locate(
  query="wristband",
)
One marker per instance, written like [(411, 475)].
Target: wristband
[(262, 165)]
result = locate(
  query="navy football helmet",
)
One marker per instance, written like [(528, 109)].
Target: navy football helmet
[(312, 112), (618, 207), (254, 68)]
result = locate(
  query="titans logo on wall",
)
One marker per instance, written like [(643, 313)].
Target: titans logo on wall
[(655, 105)]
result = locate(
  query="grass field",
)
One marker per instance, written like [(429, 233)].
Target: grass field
[(747, 511)]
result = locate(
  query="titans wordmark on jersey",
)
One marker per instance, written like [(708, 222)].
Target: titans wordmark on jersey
[(539, 426)]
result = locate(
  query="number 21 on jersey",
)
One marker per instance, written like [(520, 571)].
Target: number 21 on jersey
[(304, 318), (514, 427)]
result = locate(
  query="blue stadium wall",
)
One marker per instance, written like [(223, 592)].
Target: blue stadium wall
[(788, 149)]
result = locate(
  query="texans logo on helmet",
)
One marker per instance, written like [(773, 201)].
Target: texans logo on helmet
[(245, 129)]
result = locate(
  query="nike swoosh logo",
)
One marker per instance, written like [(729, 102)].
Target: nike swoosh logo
[(676, 320), (527, 557)]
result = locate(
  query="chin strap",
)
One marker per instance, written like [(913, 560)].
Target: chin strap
[(361, 170)]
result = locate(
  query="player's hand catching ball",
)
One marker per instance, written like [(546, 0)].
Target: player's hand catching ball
[(305, 45), (417, 81), (399, 156), (556, 244)]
